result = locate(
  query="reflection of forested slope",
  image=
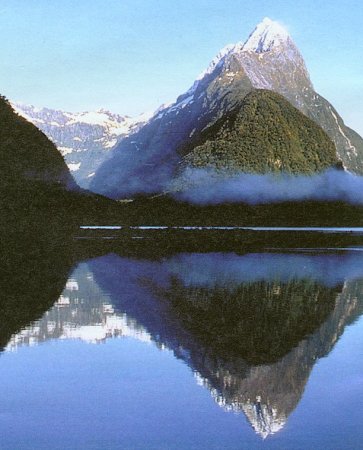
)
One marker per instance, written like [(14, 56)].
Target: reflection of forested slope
[(258, 321), (268, 393), (252, 343)]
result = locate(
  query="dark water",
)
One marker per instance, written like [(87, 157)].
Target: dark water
[(119, 346)]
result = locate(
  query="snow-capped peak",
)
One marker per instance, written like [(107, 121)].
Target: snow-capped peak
[(266, 35)]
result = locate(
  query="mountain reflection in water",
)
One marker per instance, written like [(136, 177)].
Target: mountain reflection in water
[(251, 327)]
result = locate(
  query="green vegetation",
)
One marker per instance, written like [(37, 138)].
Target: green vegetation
[(165, 210), (27, 154), (264, 134)]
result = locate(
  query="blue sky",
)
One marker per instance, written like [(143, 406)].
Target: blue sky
[(130, 56)]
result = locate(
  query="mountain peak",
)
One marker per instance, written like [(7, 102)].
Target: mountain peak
[(267, 35)]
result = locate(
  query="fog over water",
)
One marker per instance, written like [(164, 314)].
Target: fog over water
[(206, 187)]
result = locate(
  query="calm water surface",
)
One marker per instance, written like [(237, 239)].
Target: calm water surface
[(329, 230), (171, 350)]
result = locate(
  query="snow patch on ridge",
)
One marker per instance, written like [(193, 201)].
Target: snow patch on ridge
[(74, 167)]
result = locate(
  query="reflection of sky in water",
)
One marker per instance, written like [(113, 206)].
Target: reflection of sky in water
[(125, 394), (128, 395)]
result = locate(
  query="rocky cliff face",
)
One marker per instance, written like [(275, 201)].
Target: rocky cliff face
[(145, 162)]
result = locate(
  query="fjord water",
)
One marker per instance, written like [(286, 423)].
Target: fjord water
[(117, 346)]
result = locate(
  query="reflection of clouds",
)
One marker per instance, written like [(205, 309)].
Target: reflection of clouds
[(227, 269), (207, 270)]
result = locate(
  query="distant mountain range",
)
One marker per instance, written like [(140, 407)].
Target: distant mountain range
[(84, 139)]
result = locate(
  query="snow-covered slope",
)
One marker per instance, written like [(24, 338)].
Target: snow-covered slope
[(84, 139), (265, 56), (268, 59)]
